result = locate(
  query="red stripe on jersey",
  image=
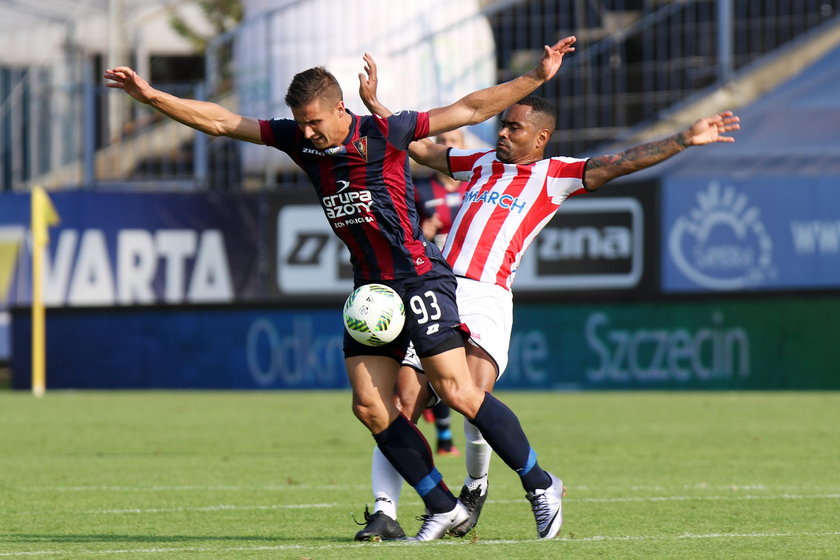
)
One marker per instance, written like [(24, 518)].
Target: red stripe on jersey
[(326, 170), (468, 216), (357, 174), (541, 208), (497, 219), (459, 164), (421, 130), (267, 134), (563, 169), (394, 168)]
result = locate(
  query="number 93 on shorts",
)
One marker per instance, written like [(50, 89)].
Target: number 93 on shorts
[(431, 317)]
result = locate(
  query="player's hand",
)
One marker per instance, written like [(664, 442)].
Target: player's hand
[(431, 226), (126, 79), (553, 57), (368, 83), (712, 129)]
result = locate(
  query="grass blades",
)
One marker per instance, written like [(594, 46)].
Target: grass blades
[(142, 475)]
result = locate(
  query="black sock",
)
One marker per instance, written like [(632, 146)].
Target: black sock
[(500, 427), (406, 448)]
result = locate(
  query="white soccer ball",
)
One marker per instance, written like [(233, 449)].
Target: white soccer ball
[(374, 314)]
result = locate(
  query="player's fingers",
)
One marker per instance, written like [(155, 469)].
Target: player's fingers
[(123, 70), (564, 42)]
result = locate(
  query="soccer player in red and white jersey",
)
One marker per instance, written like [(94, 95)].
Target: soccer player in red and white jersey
[(358, 166), (513, 192)]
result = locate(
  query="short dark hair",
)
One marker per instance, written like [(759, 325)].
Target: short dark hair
[(544, 107), (315, 83)]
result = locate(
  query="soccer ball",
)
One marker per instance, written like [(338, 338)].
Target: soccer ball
[(374, 314)]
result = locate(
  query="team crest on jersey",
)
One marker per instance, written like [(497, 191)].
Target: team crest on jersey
[(361, 146)]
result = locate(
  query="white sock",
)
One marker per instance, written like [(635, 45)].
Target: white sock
[(477, 455), (386, 483)]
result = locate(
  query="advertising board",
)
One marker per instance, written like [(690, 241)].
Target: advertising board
[(769, 233), (722, 344)]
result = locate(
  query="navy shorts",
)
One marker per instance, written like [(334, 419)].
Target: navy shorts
[(431, 316)]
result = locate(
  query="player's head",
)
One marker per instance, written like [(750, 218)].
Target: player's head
[(317, 105), (451, 139), (524, 130)]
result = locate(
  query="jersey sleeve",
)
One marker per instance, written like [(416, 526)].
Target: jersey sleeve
[(565, 177), (462, 162), (278, 133), (405, 127)]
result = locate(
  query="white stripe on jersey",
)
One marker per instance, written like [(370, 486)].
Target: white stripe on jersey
[(504, 209)]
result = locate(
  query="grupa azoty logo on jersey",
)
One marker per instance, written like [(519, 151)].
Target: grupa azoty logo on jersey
[(348, 206), (721, 242)]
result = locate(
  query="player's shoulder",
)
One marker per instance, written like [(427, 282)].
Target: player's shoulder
[(566, 159), (483, 155), (280, 132), (563, 167), (396, 120)]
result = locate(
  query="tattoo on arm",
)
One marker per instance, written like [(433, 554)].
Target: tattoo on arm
[(639, 157)]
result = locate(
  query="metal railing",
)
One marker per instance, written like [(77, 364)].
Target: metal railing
[(635, 59)]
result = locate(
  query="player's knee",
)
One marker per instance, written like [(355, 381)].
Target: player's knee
[(375, 418), (364, 413), (412, 403), (459, 397)]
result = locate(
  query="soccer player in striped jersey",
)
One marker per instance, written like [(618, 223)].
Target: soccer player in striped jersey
[(513, 192), (359, 168)]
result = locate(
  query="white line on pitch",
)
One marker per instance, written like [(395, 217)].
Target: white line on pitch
[(564, 540), (286, 487), (224, 488), (230, 507)]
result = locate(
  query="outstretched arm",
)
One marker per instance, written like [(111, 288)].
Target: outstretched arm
[(205, 116), (425, 152), (602, 169), (479, 106)]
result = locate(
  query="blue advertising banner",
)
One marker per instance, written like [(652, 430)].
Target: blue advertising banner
[(14, 228), (187, 348), (757, 343), (753, 234), (114, 249)]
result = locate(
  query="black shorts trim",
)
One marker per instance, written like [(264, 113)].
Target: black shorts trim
[(454, 341)]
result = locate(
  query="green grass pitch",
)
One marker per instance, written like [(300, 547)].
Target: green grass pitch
[(200, 475)]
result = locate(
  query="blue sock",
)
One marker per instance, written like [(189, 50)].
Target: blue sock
[(500, 427), (407, 450)]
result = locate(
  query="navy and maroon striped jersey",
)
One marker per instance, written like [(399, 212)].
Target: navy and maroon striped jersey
[(365, 189), (432, 197)]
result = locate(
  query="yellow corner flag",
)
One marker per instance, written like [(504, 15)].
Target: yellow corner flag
[(43, 216)]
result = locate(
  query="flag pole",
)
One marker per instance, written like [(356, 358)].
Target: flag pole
[(43, 216)]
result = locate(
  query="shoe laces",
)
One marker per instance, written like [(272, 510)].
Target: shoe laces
[(428, 520), (367, 516), (471, 497), (540, 505)]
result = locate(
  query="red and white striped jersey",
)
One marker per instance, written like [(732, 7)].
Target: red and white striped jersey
[(504, 208)]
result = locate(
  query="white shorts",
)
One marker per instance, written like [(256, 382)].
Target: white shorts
[(487, 310)]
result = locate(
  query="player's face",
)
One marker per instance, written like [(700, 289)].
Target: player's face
[(321, 122), (451, 139), (518, 135)]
